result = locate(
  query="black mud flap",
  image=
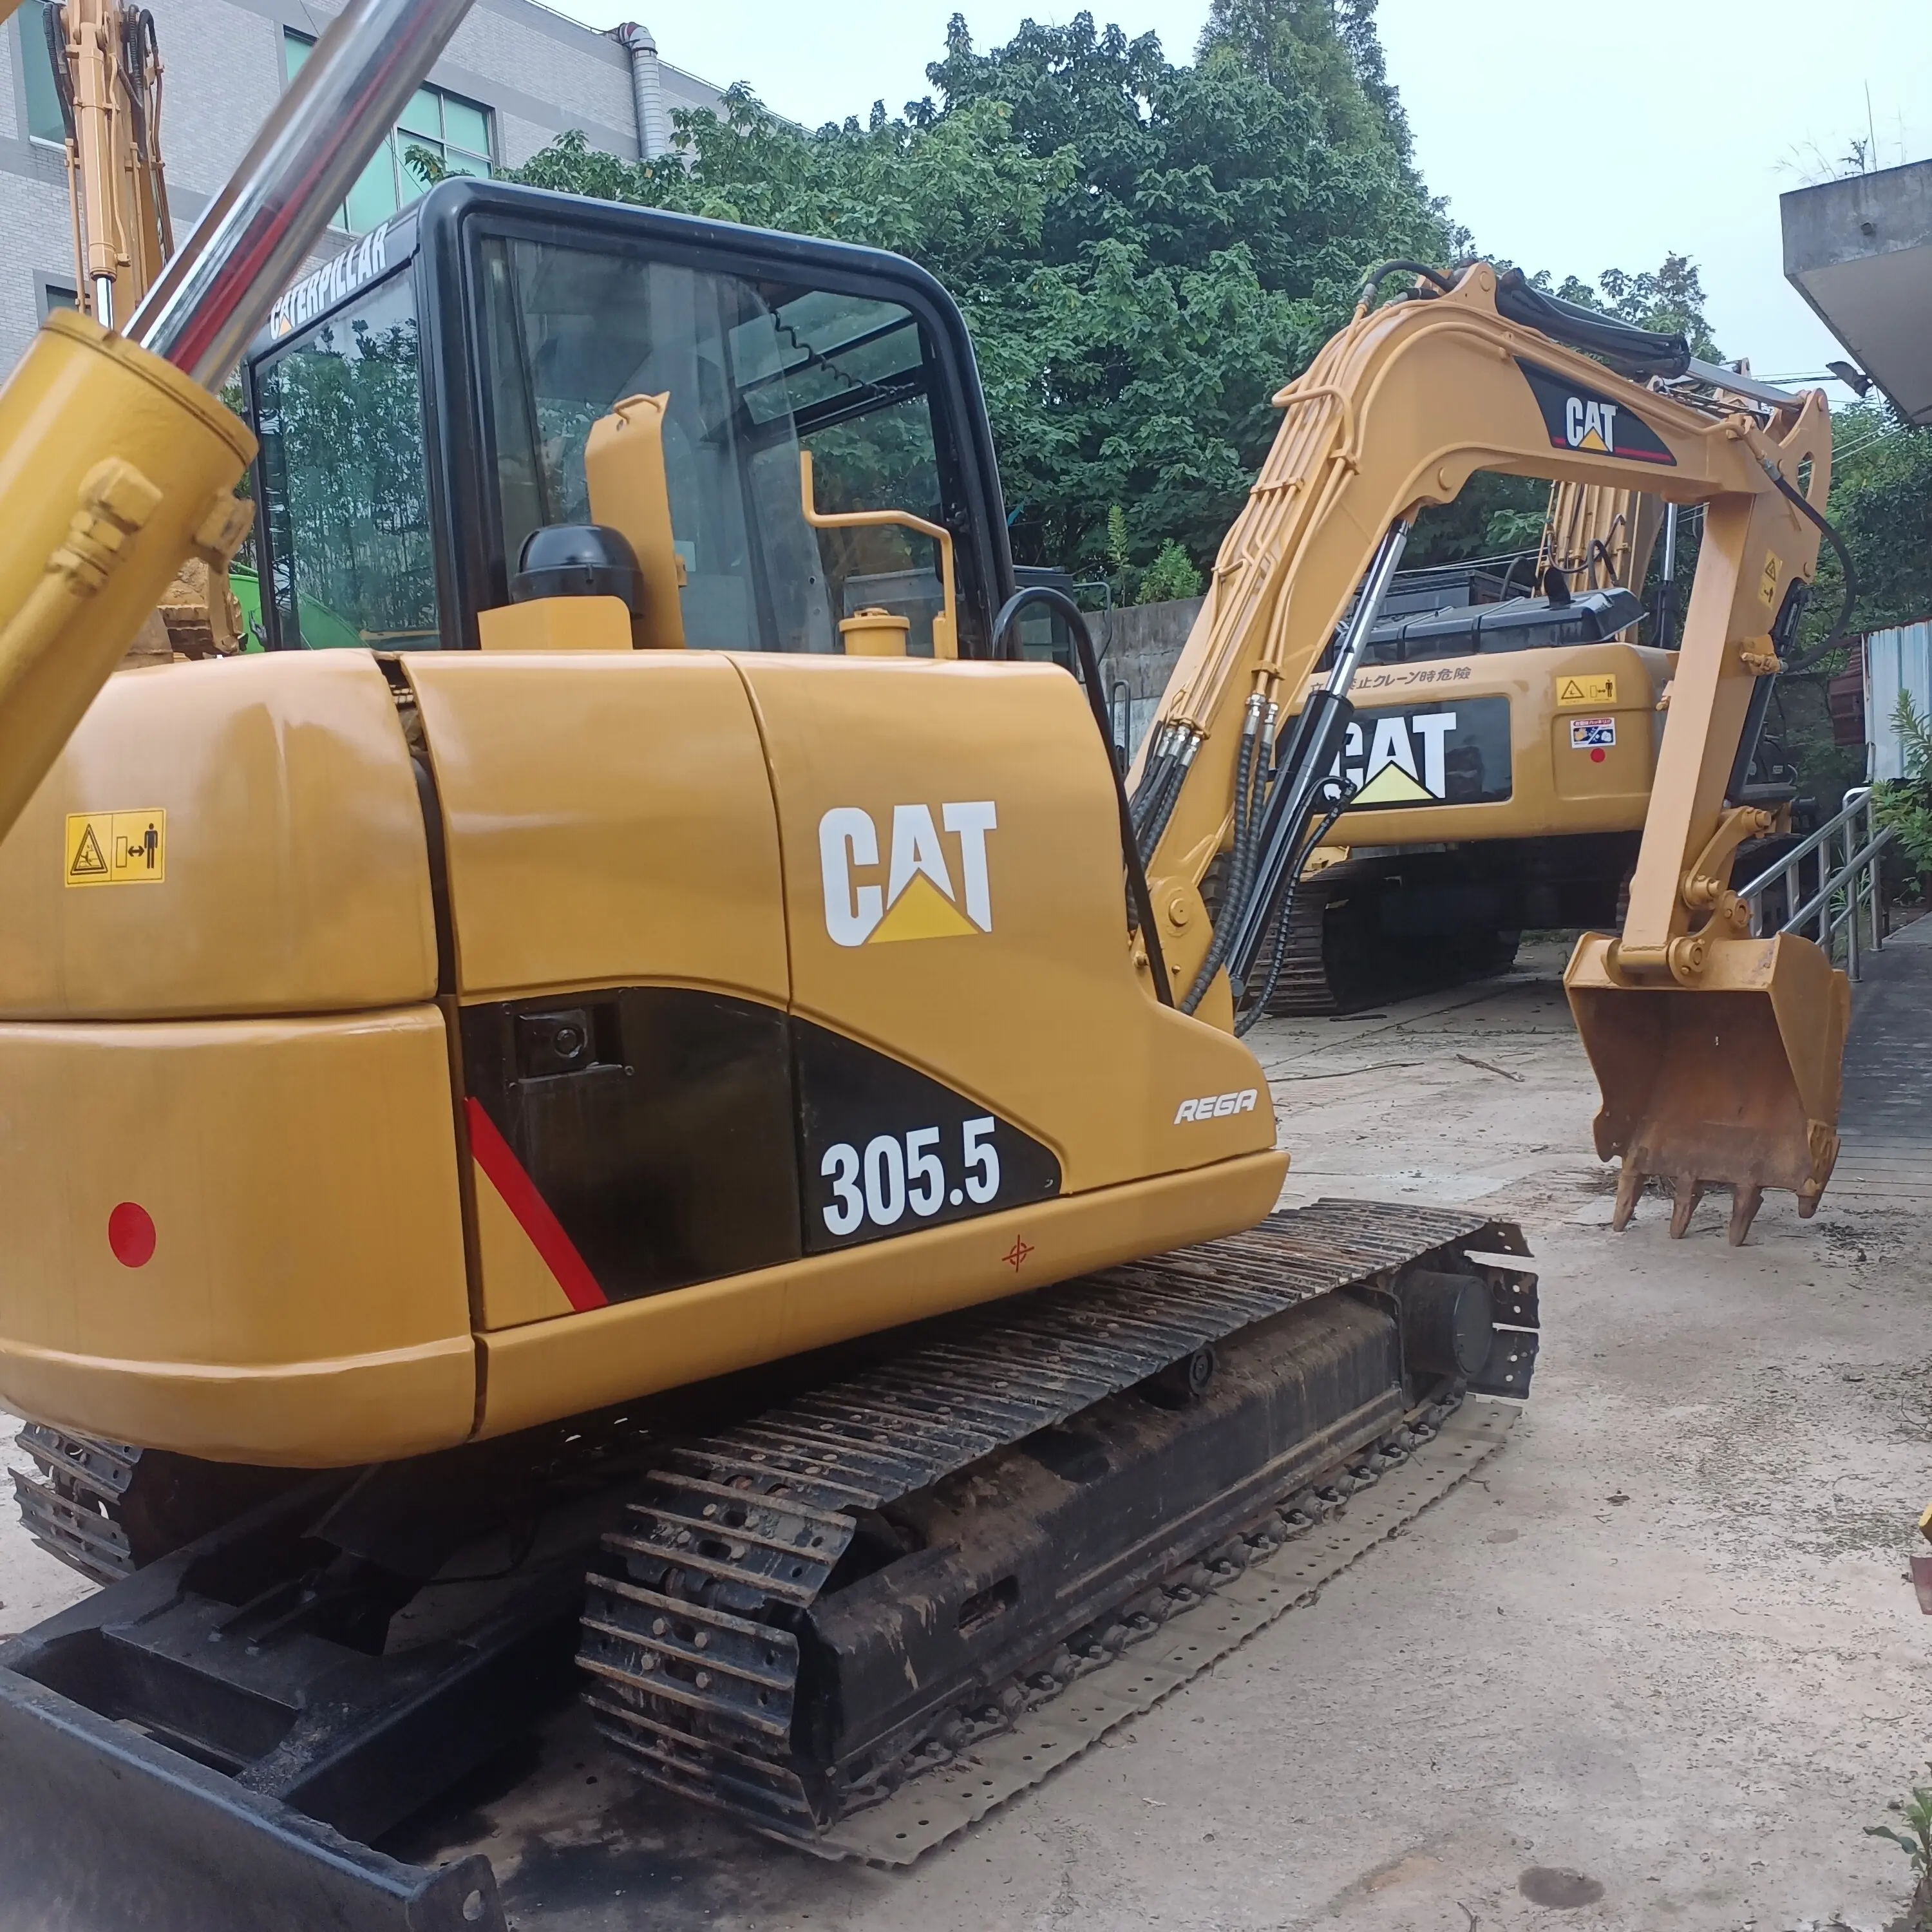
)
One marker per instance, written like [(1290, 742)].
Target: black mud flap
[(102, 1830)]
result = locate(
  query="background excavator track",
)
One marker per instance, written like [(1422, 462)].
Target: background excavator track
[(1338, 960)]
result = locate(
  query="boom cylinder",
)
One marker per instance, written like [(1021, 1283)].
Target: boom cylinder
[(116, 464), (255, 235)]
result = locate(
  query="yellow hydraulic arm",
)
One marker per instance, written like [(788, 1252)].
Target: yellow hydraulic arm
[(107, 72), (110, 90), (1717, 1053), (1600, 536)]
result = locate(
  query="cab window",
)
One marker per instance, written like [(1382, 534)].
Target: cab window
[(754, 372), (345, 486)]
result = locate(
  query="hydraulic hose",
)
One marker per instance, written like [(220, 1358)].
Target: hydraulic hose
[(1381, 272), (1250, 785), (1278, 952), (1842, 624), (1090, 675)]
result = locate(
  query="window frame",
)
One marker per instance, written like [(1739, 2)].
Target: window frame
[(431, 242), (398, 138)]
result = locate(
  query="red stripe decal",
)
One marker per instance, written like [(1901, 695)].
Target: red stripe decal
[(532, 1211)]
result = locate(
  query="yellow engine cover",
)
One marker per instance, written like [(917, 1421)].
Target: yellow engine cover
[(532, 1032)]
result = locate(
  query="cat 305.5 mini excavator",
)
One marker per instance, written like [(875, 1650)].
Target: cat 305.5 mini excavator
[(648, 1060)]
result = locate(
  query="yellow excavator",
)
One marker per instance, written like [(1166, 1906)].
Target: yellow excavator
[(655, 1119)]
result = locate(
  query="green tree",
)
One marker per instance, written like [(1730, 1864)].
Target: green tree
[(1145, 252), (1881, 504), (1172, 573), (1669, 299)]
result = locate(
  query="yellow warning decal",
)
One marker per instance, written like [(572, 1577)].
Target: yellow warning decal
[(117, 848), (1767, 587), (1586, 690)]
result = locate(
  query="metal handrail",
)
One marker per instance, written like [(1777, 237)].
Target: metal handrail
[(1856, 884)]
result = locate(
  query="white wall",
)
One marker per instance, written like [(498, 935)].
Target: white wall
[(1895, 660)]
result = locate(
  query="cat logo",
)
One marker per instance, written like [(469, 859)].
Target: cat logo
[(1579, 418), (1427, 755), (1590, 425), (918, 899), (1392, 775)]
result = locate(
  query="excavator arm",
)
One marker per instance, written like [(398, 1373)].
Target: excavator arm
[(1396, 413), (107, 73)]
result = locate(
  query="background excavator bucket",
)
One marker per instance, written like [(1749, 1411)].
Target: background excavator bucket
[(1732, 1081)]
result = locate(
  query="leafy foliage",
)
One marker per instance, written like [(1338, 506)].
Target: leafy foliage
[(1916, 1843), (1881, 503), (1906, 803), (1669, 300), (1145, 251), (1170, 575)]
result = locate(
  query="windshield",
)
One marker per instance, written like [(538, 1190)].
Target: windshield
[(345, 488), (754, 372)]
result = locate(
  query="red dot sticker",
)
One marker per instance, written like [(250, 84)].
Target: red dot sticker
[(130, 1234), (1597, 755)]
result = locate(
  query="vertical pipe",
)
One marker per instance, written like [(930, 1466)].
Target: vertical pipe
[(1851, 899), (1368, 608), (646, 90), (1877, 879)]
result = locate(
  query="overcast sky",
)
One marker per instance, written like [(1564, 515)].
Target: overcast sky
[(1567, 137)]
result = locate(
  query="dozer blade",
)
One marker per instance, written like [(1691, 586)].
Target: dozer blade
[(103, 1829), (1733, 1081)]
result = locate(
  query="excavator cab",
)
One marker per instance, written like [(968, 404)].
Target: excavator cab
[(426, 404)]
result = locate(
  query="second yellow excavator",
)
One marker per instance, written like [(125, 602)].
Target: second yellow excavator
[(1500, 762), (654, 1105)]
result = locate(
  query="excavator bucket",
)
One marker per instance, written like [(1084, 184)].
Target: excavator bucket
[(1732, 1081)]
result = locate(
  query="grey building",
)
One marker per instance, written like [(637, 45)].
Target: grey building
[(515, 75)]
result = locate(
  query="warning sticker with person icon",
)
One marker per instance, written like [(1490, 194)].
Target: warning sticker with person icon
[(117, 848)]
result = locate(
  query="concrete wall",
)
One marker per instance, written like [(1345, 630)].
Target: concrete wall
[(1859, 251), (1141, 650)]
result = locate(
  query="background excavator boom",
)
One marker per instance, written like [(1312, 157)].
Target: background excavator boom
[(1395, 414)]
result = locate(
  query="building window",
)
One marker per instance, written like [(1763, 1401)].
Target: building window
[(45, 121), (455, 131)]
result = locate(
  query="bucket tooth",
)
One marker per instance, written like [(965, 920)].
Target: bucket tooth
[(1745, 1201), (1629, 1185), (1684, 1204)]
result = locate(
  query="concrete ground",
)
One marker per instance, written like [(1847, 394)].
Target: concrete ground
[(1656, 1664)]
